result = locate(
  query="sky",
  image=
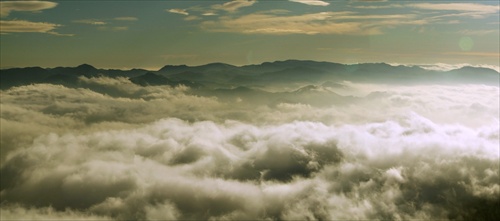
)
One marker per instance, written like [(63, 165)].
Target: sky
[(151, 34)]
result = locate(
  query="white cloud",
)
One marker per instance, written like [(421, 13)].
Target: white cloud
[(448, 67), (178, 11), (96, 151), (6, 7), (234, 5), (312, 2), (209, 14), (296, 170)]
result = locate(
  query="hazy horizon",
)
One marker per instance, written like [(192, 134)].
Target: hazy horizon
[(436, 66)]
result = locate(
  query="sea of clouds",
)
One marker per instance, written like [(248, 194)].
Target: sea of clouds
[(110, 149)]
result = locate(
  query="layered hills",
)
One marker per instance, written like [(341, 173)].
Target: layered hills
[(220, 75)]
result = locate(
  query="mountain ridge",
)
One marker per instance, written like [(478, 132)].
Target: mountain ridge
[(278, 72)]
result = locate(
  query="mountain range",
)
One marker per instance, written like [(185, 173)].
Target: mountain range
[(220, 75)]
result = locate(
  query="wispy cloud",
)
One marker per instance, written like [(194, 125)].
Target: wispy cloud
[(90, 22), (473, 10), (6, 7), (316, 23), (471, 7), (312, 2), (178, 11), (478, 32), (120, 28), (379, 6), (126, 19), (233, 6), (21, 26), (272, 24)]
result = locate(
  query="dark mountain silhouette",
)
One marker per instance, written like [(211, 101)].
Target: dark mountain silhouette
[(81, 70), (174, 69), (268, 73), (152, 79), (22, 76)]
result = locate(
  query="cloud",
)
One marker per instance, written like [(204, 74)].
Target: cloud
[(379, 6), (209, 14), (478, 32), (126, 19), (238, 171), (120, 28), (22, 26), (18, 212), (312, 2), (272, 24), (449, 67), (6, 7), (471, 7), (234, 5), (473, 10), (315, 23), (178, 11), (90, 22), (109, 149)]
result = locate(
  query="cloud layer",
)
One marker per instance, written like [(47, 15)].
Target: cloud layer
[(110, 149)]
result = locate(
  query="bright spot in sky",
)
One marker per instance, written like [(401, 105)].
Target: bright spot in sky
[(466, 43)]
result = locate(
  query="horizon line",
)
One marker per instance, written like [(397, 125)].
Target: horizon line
[(439, 66)]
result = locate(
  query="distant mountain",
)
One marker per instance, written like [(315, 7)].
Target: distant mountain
[(22, 76), (316, 95), (261, 75), (152, 79), (330, 84)]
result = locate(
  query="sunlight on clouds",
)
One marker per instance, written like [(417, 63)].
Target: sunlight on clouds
[(472, 7), (178, 11), (100, 147), (20, 26), (234, 5), (316, 23), (90, 22), (312, 2), (6, 7)]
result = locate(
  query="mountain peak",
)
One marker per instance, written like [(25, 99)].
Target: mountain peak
[(173, 67), (86, 67)]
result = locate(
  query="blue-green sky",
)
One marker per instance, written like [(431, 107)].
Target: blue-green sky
[(151, 34)]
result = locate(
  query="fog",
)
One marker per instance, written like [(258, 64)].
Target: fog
[(111, 149)]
